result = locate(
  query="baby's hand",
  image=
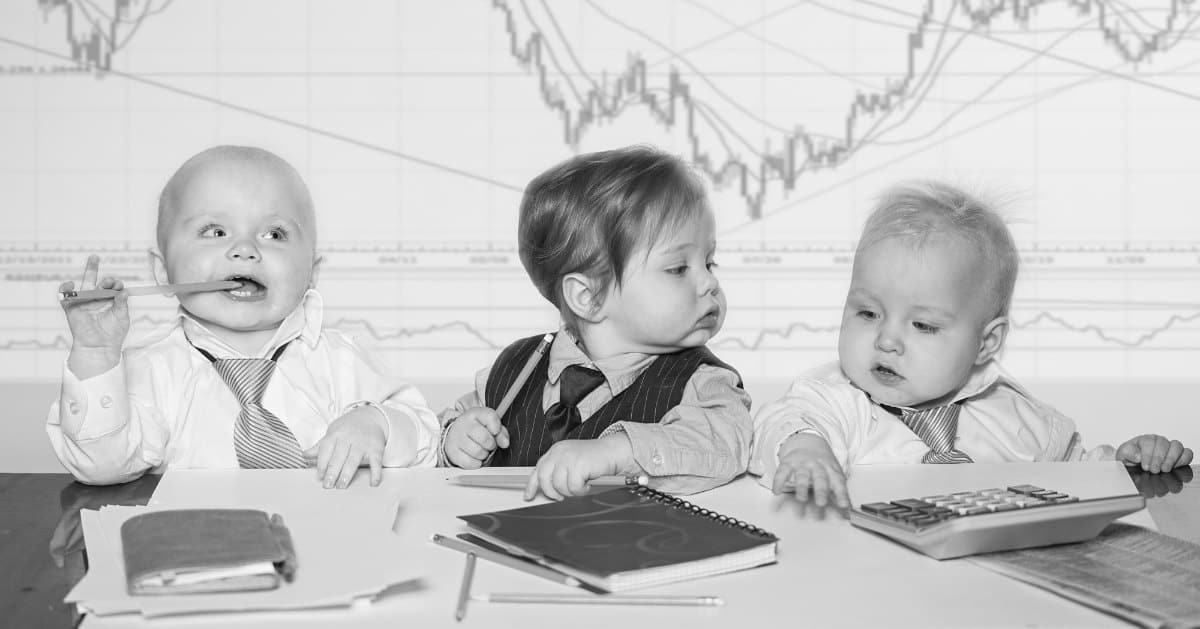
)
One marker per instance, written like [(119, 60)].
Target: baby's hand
[(473, 436), (1154, 452), (567, 466), (99, 327), (806, 462), (351, 439)]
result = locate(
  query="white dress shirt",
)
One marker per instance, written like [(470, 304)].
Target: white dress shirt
[(999, 421), (164, 405)]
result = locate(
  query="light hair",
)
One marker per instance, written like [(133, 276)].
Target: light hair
[(591, 213), (252, 155), (920, 211)]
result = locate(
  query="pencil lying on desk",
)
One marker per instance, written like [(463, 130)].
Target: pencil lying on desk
[(598, 599), (518, 481), (464, 590), (157, 289)]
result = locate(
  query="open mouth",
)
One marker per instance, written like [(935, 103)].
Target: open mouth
[(710, 318), (885, 373), (251, 289)]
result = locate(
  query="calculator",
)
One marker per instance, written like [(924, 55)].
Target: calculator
[(987, 520)]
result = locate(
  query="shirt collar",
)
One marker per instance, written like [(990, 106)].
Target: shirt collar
[(303, 323), (619, 371)]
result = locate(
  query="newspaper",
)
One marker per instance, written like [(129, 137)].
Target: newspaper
[(1134, 573)]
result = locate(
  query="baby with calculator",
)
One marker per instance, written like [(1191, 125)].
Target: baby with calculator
[(917, 378), (621, 242), (240, 377)]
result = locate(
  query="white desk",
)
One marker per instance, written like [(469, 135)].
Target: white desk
[(829, 574)]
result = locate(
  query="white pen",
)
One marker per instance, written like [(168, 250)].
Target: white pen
[(598, 599)]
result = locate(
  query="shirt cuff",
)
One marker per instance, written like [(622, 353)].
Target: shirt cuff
[(410, 440), (102, 400), (764, 458), (654, 451)]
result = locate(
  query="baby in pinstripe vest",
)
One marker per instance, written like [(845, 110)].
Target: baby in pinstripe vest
[(621, 243), (917, 378)]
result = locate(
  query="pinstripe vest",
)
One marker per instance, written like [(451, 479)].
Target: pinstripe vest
[(657, 390)]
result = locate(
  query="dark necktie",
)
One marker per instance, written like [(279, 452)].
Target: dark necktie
[(574, 384), (260, 439), (937, 427)]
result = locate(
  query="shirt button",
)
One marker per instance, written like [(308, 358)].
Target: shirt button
[(656, 460), (73, 407), (106, 402)]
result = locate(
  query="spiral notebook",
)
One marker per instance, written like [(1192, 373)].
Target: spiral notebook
[(627, 538)]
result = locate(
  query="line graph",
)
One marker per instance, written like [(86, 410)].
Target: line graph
[(800, 150), (416, 129)]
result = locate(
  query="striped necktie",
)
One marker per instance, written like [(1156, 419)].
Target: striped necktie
[(260, 439), (937, 427)]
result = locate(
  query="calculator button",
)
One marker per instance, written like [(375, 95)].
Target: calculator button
[(911, 503), (973, 511), (1064, 499), (1024, 489), (1007, 506), (877, 507)]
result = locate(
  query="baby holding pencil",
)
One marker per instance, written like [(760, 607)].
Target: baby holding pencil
[(244, 375), (917, 378), (621, 242)]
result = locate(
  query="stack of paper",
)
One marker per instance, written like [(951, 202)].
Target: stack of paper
[(345, 548)]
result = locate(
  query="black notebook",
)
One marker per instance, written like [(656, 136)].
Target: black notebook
[(627, 538)]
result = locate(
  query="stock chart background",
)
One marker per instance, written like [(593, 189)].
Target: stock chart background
[(417, 125)]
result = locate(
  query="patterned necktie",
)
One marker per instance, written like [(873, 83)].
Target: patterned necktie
[(260, 439), (937, 427), (574, 385)]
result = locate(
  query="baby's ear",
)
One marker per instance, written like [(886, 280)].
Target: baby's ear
[(579, 294), (158, 266), (318, 262), (991, 341)]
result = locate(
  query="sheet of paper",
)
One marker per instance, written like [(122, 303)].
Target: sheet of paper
[(1128, 571), (345, 547)]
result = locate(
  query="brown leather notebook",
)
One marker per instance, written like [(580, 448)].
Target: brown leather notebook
[(185, 551)]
